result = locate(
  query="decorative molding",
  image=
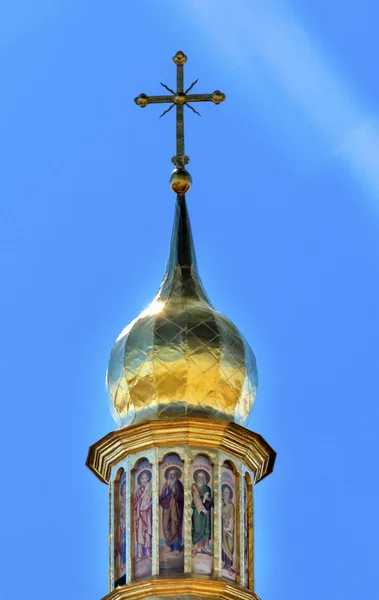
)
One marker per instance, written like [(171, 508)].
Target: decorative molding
[(204, 433), (198, 589)]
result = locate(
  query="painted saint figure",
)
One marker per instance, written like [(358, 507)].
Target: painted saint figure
[(171, 500), (143, 515), (202, 503), (120, 566), (246, 530), (228, 528)]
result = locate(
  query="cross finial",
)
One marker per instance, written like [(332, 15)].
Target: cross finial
[(180, 181)]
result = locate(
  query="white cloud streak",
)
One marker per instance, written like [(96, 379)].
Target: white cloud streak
[(247, 31)]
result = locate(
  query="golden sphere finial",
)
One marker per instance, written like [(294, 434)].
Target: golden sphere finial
[(180, 58), (142, 100), (180, 181), (218, 97)]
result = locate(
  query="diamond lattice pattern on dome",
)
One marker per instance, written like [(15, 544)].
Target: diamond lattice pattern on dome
[(181, 356)]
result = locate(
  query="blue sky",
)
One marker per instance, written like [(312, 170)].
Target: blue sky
[(285, 215)]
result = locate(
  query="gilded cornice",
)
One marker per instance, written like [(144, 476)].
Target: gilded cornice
[(205, 433), (198, 589)]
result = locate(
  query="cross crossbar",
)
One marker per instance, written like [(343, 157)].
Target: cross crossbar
[(179, 99)]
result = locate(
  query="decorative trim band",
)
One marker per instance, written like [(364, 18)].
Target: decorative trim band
[(205, 433), (181, 588)]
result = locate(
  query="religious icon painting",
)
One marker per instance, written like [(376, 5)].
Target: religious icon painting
[(202, 516), (171, 503), (120, 528), (246, 530), (228, 522), (142, 519)]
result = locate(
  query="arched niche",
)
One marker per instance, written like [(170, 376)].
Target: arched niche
[(202, 515), (248, 531), (119, 528), (230, 503), (141, 519), (171, 512)]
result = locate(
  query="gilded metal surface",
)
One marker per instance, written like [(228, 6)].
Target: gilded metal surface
[(179, 98), (218, 97), (180, 181), (196, 589), (181, 357), (142, 100), (229, 437), (180, 58)]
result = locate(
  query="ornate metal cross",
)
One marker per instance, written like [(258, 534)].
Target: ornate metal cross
[(180, 98)]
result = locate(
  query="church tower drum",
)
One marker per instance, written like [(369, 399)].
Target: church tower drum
[(181, 467)]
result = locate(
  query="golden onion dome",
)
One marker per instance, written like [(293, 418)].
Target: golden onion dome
[(181, 357)]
